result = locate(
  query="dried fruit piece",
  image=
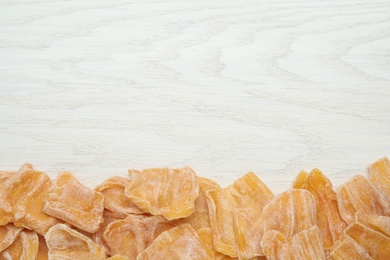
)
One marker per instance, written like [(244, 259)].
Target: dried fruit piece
[(347, 248), (42, 249), (300, 181), (63, 200), (358, 195), (115, 200), (180, 242), (331, 224), (380, 175), (66, 243), (164, 191), (206, 235), (291, 212), (24, 247), (8, 234), (303, 245), (246, 192), (140, 232), (200, 217), (21, 198)]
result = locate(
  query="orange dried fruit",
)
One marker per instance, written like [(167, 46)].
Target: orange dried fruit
[(246, 192), (42, 249), (358, 195), (140, 232), (8, 234), (24, 247), (66, 243), (200, 217), (380, 175), (206, 236), (115, 200), (331, 224), (180, 242), (74, 203), (164, 191), (291, 212), (21, 198), (347, 248), (306, 244)]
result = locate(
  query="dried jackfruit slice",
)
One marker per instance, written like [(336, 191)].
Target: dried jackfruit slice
[(246, 192), (291, 212), (115, 200), (358, 195), (164, 191), (118, 257), (347, 248), (24, 247), (380, 175), (21, 198), (66, 243), (180, 242), (306, 244), (206, 235), (74, 203), (300, 181), (200, 217), (331, 224), (8, 234)]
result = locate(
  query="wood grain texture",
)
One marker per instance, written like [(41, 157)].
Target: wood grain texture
[(98, 87)]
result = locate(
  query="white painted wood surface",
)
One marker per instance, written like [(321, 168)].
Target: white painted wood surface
[(98, 87)]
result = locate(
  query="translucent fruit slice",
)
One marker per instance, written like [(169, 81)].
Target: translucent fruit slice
[(291, 212), (118, 257), (66, 243), (380, 175), (74, 203), (206, 235), (331, 224), (177, 243), (21, 199), (358, 195), (164, 191), (303, 245), (248, 192), (42, 249), (115, 200), (200, 217), (347, 248), (8, 235), (24, 247)]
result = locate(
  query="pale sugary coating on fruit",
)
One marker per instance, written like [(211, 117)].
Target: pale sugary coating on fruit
[(21, 198), (69, 200), (291, 212), (66, 243), (200, 217), (206, 236), (358, 195), (248, 192), (380, 175), (25, 247), (306, 244), (177, 243), (331, 224), (347, 248), (8, 234), (164, 191), (42, 249), (115, 200)]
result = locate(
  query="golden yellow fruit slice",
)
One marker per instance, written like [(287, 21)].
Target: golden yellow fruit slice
[(8, 235), (380, 175), (24, 247), (66, 243), (164, 191), (74, 203), (177, 243)]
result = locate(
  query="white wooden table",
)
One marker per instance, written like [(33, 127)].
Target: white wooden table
[(226, 87)]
